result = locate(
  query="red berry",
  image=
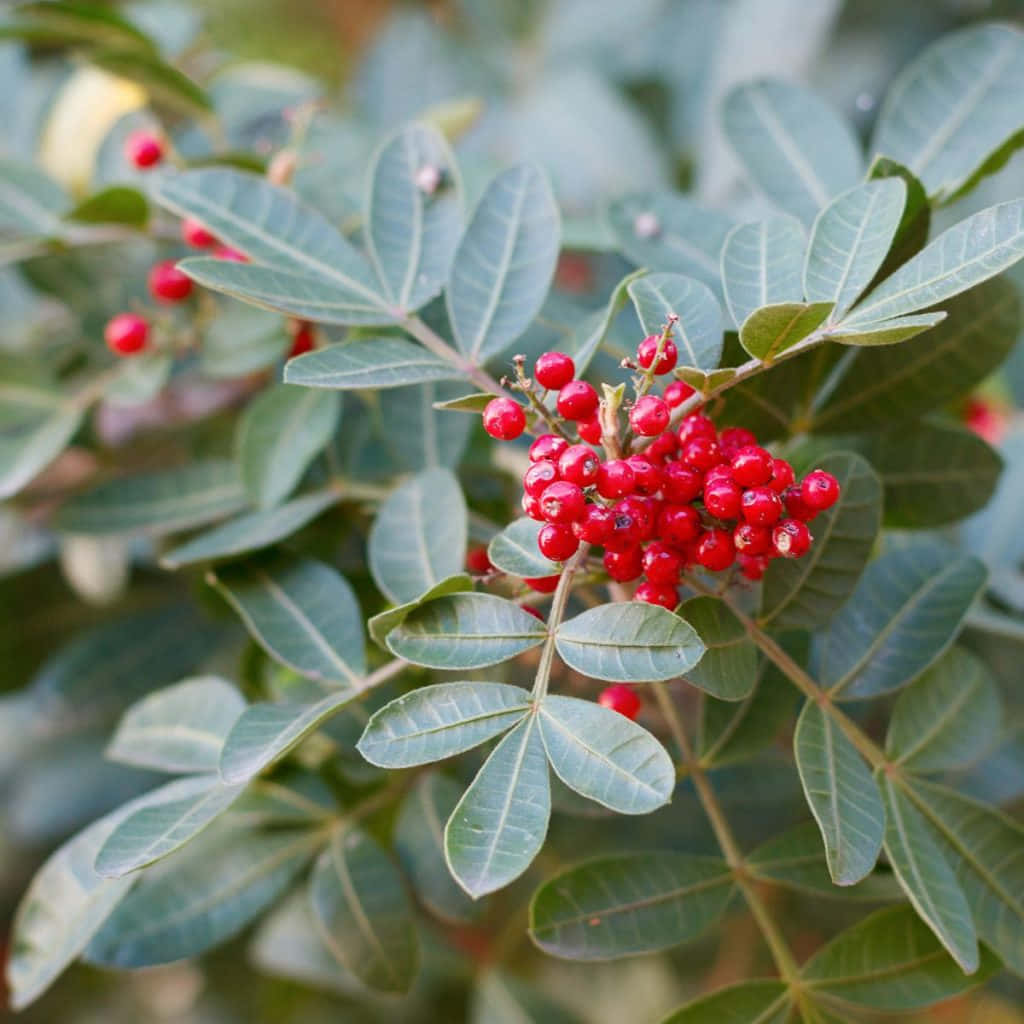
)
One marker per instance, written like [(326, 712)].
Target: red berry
[(681, 483), (590, 429), (543, 584), (196, 235), (554, 370), (641, 511), (701, 452), (677, 392), (596, 524), (715, 550), (648, 349), (531, 506), (302, 341), (796, 507), (761, 506), (662, 564), (579, 465), (751, 466), (646, 475), (615, 479), (478, 561), (649, 417), (562, 502), (547, 447), (820, 490), (627, 530), (662, 594), (678, 524), (126, 334), (782, 476), (537, 478), (791, 538), (696, 425), (752, 567), (225, 252), (504, 419), (625, 565), (723, 500), (530, 610), (621, 698), (144, 149), (168, 284), (720, 474), (557, 542), (662, 447), (735, 438), (577, 400), (752, 540)]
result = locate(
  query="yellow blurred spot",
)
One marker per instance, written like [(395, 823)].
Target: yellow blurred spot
[(85, 110)]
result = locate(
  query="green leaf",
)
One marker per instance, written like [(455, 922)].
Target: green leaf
[(419, 845), (972, 251), (499, 824), (850, 240), (28, 449), (419, 535), (698, 331), (500, 998), (728, 669), (412, 232), (294, 798), (906, 610), (202, 896), (604, 756), (912, 233), (440, 721), (795, 147), (415, 434), (31, 203), (44, 21), (762, 264), (842, 795), (251, 532), (179, 728), (933, 472), (279, 435), (588, 337), (628, 905), (630, 642), (666, 231), (383, 622), (772, 330), (165, 85), (947, 135), (886, 332), (897, 383), (362, 913), (264, 733), (169, 819), (304, 262), (805, 593), (368, 363), (301, 612), (926, 877), (473, 403), (947, 718), (463, 631), (116, 204), (504, 262), (158, 503), (139, 379), (748, 1002), (986, 850), (889, 961), (515, 550), (240, 340)]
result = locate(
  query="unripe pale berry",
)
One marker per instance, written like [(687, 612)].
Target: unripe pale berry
[(791, 538), (557, 542), (126, 334), (554, 370), (620, 698), (504, 419), (144, 149), (168, 284), (577, 400), (649, 417), (820, 490), (648, 349)]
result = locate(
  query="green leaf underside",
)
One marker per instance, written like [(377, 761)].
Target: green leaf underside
[(362, 913), (728, 668), (515, 551), (749, 1002), (26, 452), (762, 265), (499, 825), (384, 622), (698, 331), (629, 905), (368, 363), (179, 728), (771, 331), (302, 613), (886, 332), (435, 722), (465, 631), (842, 795), (604, 756), (631, 642), (31, 203)]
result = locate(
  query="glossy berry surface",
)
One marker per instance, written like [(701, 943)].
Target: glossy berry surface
[(661, 594), (557, 542), (647, 351), (168, 284), (701, 452), (590, 430), (478, 561), (646, 475), (782, 476), (577, 400), (678, 524), (620, 698), (543, 584), (547, 447), (761, 506), (144, 149), (537, 478), (126, 334), (579, 465), (723, 500), (791, 539), (504, 419), (595, 525), (615, 479), (677, 392), (715, 550), (752, 540), (554, 370), (696, 425), (562, 502), (624, 566), (819, 490), (751, 466), (662, 564), (531, 506), (649, 417), (734, 439)]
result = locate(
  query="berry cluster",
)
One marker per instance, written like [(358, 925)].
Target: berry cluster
[(693, 496)]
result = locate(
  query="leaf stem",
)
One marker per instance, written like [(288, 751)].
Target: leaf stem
[(558, 605), (431, 340)]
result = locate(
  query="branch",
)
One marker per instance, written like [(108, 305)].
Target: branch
[(431, 340), (558, 604)]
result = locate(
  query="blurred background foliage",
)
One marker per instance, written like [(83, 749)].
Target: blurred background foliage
[(609, 96)]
